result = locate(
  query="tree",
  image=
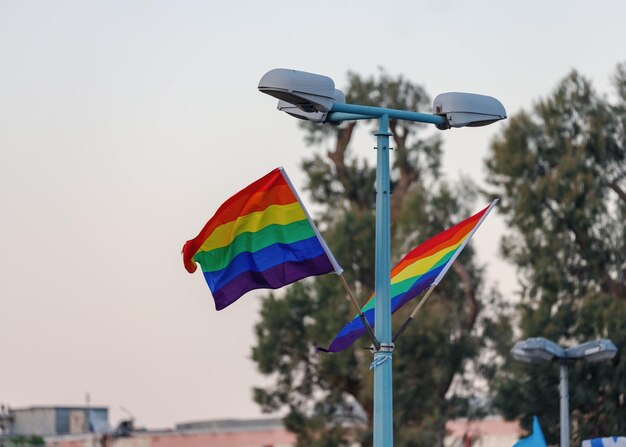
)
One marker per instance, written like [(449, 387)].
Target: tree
[(328, 398), (561, 173)]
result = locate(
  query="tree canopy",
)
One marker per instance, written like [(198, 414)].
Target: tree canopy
[(560, 170)]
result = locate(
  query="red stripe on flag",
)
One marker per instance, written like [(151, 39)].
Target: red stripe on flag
[(272, 189)]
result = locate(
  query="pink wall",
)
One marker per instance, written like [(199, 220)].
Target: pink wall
[(489, 426), (269, 438), (491, 431)]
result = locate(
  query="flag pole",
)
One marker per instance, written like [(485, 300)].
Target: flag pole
[(412, 316), (331, 257), (366, 323)]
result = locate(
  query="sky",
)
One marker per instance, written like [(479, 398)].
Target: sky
[(125, 124)]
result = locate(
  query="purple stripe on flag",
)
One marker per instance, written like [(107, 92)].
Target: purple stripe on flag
[(273, 278), (351, 332)]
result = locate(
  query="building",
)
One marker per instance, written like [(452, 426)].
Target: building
[(51, 421), (89, 427)]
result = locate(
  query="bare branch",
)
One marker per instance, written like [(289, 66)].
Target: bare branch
[(408, 174), (338, 156), (620, 192), (467, 327), (470, 295), (613, 287)]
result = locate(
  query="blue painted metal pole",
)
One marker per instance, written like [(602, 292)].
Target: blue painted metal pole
[(376, 112), (334, 117), (564, 392), (383, 399)]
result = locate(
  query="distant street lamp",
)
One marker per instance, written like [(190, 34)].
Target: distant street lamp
[(313, 97), (539, 350)]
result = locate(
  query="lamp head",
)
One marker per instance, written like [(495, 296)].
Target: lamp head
[(315, 116), (308, 92), (593, 351), (521, 355), (537, 350), (467, 109)]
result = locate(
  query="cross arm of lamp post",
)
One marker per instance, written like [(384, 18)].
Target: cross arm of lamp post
[(347, 112)]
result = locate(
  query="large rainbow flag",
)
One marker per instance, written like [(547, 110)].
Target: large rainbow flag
[(421, 268), (260, 238)]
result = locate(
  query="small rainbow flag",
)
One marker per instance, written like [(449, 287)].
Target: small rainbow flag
[(260, 238), (421, 268)]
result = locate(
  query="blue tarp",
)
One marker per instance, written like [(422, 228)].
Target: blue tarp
[(535, 439)]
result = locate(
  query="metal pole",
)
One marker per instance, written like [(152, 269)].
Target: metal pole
[(564, 392), (378, 112), (383, 399)]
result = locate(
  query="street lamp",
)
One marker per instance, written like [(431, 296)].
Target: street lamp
[(540, 350), (313, 97)]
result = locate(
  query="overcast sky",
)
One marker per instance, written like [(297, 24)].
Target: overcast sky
[(125, 124)]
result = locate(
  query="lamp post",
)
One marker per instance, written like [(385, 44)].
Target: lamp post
[(540, 350), (314, 98)]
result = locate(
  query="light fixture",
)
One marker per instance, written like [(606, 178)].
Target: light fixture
[(539, 350), (313, 97), (593, 351), (468, 109), (309, 92)]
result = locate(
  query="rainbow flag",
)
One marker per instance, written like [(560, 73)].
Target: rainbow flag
[(421, 268), (260, 238)]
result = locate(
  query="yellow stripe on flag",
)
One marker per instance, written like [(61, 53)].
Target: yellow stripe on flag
[(423, 265), (253, 222)]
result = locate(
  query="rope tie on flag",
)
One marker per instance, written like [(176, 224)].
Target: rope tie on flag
[(381, 347), (380, 358)]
